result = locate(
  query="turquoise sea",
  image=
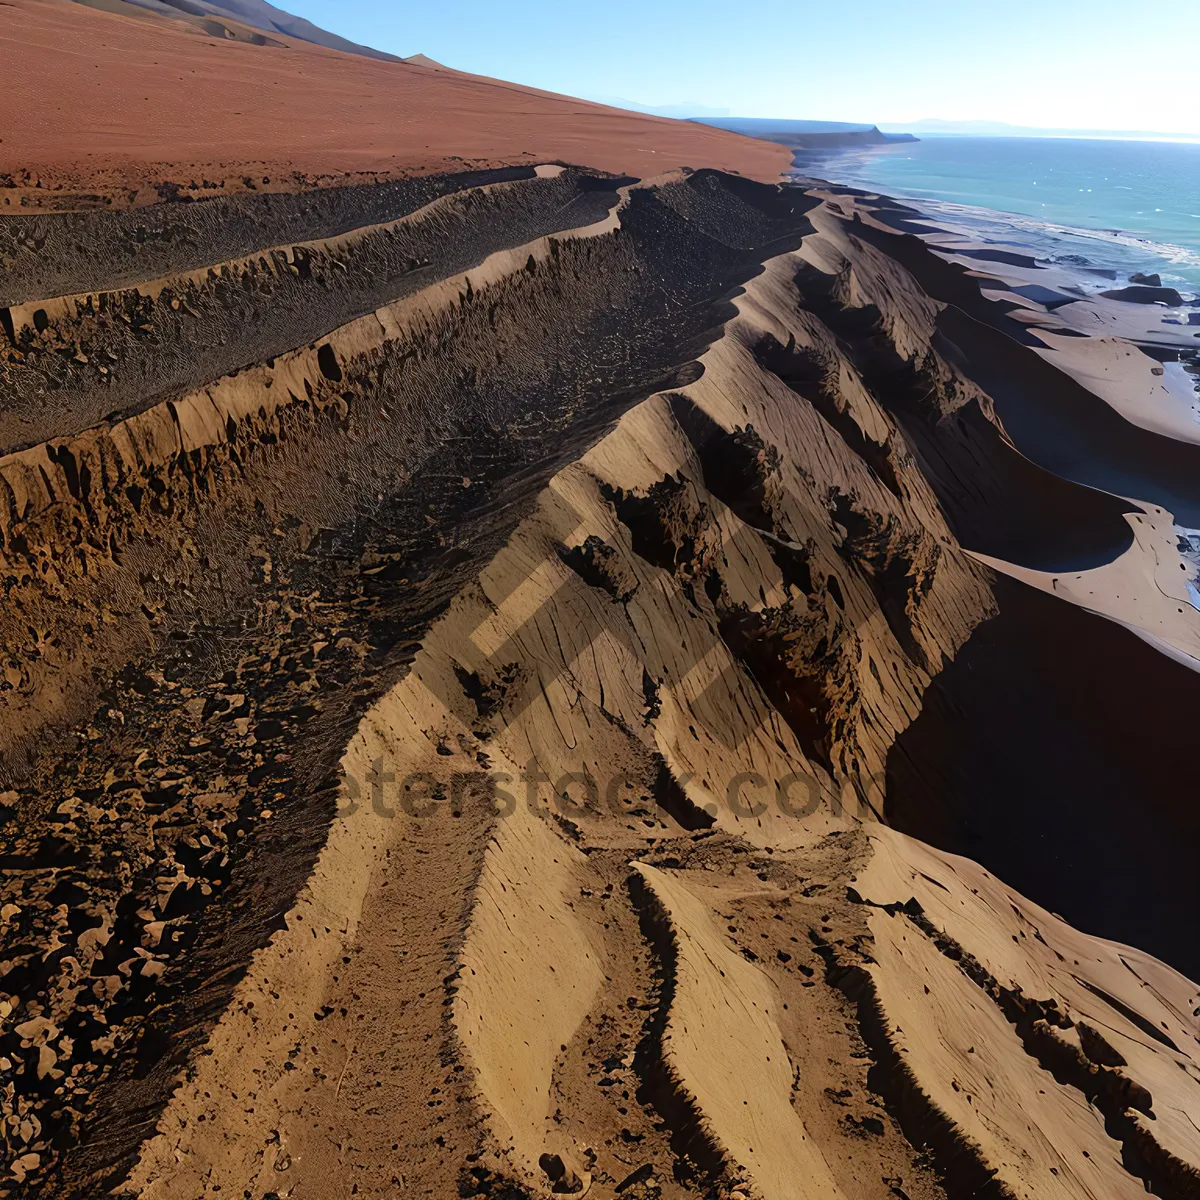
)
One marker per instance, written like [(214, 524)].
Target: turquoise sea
[(1120, 205)]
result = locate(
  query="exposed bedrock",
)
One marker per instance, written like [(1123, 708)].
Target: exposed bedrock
[(1146, 295)]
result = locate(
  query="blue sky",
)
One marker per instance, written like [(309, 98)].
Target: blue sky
[(1087, 64)]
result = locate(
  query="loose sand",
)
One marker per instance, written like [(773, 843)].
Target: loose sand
[(465, 638), (95, 100)]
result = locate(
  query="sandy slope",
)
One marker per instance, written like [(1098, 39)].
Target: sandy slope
[(531, 974), (464, 637), (103, 102), (581, 1064)]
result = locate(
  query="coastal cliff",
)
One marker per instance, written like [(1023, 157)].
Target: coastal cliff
[(533, 677), (807, 136)]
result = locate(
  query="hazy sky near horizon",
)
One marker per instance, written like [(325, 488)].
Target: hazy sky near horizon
[(1084, 64)]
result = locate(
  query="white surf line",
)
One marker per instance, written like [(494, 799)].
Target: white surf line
[(58, 307), (1090, 314)]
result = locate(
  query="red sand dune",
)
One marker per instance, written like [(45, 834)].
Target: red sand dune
[(90, 93)]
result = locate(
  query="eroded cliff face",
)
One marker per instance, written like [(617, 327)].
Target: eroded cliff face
[(448, 756)]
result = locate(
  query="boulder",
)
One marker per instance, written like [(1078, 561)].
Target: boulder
[(1145, 295)]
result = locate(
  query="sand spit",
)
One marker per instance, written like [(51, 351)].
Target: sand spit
[(109, 108), (480, 650)]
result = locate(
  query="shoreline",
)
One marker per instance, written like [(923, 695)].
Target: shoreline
[(1070, 293), (1107, 246)]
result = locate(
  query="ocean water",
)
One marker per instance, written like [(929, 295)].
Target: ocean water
[(1115, 205)]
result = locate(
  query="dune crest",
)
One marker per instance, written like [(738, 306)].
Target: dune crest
[(764, 922)]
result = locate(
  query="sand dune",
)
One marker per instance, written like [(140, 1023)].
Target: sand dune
[(525, 680), (990, 1022), (554, 896)]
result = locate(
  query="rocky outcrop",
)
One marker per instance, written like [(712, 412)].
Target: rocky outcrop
[(1152, 294)]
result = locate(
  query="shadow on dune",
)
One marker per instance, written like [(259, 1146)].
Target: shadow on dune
[(1052, 420), (999, 503), (1058, 750), (1065, 428), (996, 500)]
